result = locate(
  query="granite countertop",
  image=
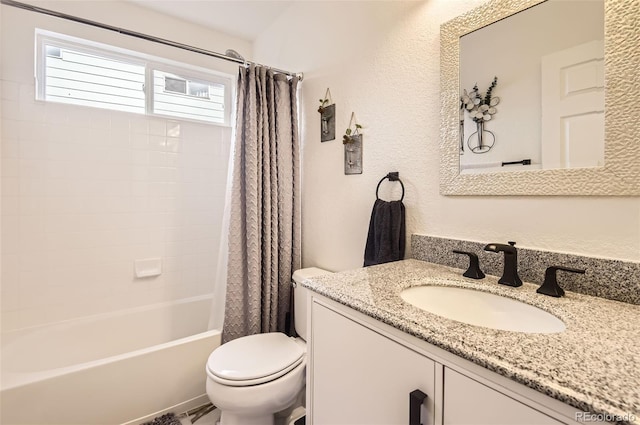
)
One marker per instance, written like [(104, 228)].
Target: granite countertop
[(594, 365)]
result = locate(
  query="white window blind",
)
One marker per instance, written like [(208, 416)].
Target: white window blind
[(89, 76), (91, 80)]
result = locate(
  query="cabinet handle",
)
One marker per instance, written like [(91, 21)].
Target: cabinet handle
[(416, 399)]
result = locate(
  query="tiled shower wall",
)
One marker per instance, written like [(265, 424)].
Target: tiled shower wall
[(86, 192)]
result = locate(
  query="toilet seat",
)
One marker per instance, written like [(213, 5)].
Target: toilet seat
[(254, 359)]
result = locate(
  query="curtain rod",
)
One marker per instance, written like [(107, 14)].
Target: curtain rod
[(153, 39)]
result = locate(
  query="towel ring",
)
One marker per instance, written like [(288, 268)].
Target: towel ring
[(394, 177)]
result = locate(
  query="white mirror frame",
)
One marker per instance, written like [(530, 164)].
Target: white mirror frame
[(620, 175)]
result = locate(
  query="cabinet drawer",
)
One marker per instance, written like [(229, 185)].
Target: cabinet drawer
[(361, 377), (467, 402)]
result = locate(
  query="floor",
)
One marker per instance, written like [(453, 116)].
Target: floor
[(192, 417), (187, 418), (211, 418)]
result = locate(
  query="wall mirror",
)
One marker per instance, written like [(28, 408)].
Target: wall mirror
[(540, 51)]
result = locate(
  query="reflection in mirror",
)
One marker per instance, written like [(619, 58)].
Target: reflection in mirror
[(620, 175), (548, 61)]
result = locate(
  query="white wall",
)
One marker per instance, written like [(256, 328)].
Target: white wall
[(86, 191), (381, 60)]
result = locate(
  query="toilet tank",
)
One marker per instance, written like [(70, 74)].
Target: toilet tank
[(300, 295)]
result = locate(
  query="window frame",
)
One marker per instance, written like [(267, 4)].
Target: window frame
[(150, 64)]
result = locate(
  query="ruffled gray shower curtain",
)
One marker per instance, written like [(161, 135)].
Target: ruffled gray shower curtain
[(264, 227)]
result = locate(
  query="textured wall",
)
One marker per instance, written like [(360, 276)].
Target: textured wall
[(381, 60)]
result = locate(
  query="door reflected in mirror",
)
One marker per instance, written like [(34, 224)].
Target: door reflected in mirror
[(549, 65)]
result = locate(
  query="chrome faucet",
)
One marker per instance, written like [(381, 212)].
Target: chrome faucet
[(510, 273)]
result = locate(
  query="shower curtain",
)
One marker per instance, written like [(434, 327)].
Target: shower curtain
[(264, 225)]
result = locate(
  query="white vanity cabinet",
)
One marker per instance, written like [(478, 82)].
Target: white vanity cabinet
[(361, 372), (360, 377), (467, 401)]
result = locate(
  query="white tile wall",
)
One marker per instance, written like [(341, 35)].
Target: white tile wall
[(86, 191)]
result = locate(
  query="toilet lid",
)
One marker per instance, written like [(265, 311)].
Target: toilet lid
[(255, 359)]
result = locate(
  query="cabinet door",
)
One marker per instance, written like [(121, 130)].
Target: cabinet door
[(467, 402), (361, 377)]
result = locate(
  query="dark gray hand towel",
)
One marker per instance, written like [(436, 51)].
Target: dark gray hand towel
[(386, 238)]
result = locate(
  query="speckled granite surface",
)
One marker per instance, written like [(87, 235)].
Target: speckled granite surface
[(613, 279), (594, 365)]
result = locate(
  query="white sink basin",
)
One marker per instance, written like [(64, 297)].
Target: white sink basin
[(482, 309)]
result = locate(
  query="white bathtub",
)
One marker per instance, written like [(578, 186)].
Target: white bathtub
[(108, 369)]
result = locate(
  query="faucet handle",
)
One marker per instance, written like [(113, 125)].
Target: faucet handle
[(473, 271), (550, 286)]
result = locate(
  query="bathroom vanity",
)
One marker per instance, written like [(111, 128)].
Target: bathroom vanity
[(369, 350)]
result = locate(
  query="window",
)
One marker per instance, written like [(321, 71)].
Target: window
[(80, 73), (187, 98)]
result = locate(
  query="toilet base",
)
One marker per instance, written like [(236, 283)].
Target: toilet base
[(231, 418), (281, 418)]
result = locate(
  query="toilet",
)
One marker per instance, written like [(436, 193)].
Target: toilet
[(251, 379)]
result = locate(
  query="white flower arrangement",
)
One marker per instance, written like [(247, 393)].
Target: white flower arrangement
[(480, 108)]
